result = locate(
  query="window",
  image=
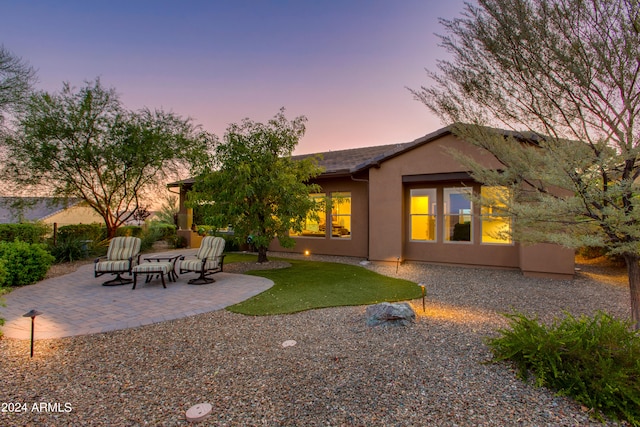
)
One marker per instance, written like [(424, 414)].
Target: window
[(496, 223), (315, 224), (458, 224), (341, 215), (423, 210)]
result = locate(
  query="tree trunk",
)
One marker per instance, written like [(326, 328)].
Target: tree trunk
[(633, 271), (262, 254)]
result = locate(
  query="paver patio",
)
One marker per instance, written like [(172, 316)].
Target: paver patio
[(78, 304)]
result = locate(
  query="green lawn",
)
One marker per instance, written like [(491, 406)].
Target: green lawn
[(311, 284)]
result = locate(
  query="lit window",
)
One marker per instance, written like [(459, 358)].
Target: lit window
[(458, 214), (341, 215), (423, 210), (315, 223), (496, 223)]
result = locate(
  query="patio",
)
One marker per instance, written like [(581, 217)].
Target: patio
[(77, 304)]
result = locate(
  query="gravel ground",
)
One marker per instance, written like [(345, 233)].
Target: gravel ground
[(340, 372)]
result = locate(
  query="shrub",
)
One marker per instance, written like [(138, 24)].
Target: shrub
[(594, 360), (25, 263), (163, 230), (95, 232), (29, 232), (129, 230)]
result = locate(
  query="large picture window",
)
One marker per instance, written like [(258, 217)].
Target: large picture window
[(423, 210), (341, 215), (496, 223), (315, 223), (458, 214)]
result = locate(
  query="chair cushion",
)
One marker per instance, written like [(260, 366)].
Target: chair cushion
[(196, 264), (153, 267), (112, 266), (122, 248), (211, 247)]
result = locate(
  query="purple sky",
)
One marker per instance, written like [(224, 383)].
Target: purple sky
[(343, 64)]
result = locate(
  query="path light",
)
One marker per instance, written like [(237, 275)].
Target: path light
[(307, 252), (397, 264), (32, 314), (424, 294)]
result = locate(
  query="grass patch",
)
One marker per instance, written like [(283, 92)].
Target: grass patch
[(311, 284)]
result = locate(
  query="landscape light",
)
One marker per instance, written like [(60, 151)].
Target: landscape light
[(32, 314)]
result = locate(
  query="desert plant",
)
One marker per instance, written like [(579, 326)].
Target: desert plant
[(25, 263), (594, 360), (27, 232)]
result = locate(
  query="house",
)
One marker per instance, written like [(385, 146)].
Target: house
[(47, 210), (409, 202)]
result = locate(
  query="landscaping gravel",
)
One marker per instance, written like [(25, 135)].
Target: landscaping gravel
[(340, 372)]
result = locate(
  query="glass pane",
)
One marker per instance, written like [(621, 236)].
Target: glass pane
[(423, 227), (458, 214), (341, 215), (496, 229), (314, 227)]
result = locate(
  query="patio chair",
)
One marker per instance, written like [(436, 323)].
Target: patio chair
[(123, 254), (208, 260)]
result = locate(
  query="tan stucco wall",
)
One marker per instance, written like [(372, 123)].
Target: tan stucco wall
[(355, 246), (388, 217), (74, 215)]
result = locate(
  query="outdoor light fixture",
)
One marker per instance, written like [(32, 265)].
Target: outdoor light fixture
[(397, 264), (32, 314), (307, 252), (424, 294)]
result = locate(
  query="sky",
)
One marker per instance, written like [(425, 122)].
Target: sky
[(344, 64)]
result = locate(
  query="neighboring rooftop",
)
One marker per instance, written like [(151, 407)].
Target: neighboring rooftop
[(20, 209)]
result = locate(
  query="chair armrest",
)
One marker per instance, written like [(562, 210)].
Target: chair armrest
[(95, 261)]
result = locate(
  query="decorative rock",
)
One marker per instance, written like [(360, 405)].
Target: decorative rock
[(198, 412), (390, 314), (289, 343)]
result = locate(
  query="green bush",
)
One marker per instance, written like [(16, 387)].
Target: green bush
[(29, 232), (129, 230), (95, 232), (25, 263), (3, 274), (163, 230), (594, 360)]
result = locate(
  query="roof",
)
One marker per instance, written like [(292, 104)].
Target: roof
[(31, 208), (358, 159)]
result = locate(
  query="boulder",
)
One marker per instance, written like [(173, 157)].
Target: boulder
[(393, 314)]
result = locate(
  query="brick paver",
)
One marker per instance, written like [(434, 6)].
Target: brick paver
[(78, 304)]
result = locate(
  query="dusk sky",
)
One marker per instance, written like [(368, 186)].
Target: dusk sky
[(345, 65)]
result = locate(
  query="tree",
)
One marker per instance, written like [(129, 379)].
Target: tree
[(16, 81), (257, 187), (564, 74), (84, 144)]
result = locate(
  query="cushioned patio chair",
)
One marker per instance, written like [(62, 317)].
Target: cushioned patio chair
[(208, 260), (123, 254)]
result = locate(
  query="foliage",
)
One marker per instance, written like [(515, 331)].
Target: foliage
[(166, 231), (258, 189), (564, 75), (594, 360), (95, 232), (16, 80), (130, 230), (141, 214), (169, 209), (310, 284), (26, 232), (25, 263), (3, 273), (85, 144)]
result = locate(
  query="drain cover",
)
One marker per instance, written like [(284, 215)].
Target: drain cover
[(198, 412), (289, 343)]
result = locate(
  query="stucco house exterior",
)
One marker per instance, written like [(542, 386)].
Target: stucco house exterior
[(408, 202), (48, 211)]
